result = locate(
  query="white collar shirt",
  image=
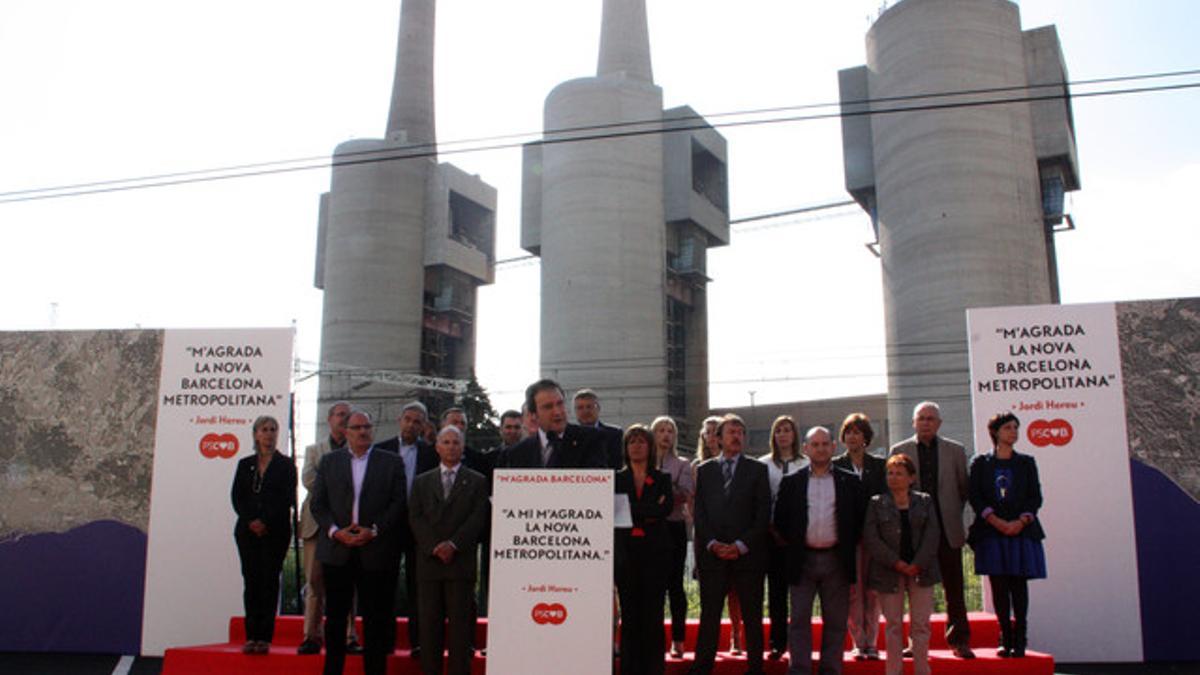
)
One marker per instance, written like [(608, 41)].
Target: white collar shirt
[(822, 512), (358, 473)]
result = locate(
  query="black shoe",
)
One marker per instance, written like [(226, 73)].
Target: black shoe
[(416, 652), (775, 654), (353, 647), (964, 652), (1003, 652), (308, 648), (1019, 640), (907, 653)]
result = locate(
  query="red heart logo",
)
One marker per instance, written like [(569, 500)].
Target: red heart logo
[(1053, 432), (549, 613), (224, 446)]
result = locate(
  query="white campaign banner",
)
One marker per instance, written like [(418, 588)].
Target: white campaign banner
[(551, 588), (1058, 368), (214, 383)]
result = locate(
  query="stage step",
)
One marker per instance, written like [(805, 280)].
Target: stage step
[(985, 631), (227, 658)]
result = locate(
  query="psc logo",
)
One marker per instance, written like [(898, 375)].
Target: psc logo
[(548, 613), (1054, 432), (218, 445)]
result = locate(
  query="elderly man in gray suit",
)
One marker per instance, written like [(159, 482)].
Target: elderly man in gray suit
[(447, 511), (942, 473), (314, 587)]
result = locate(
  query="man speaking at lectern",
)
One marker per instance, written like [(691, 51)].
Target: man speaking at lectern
[(556, 445)]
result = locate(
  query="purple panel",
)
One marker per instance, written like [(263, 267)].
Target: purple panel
[(1167, 526), (76, 591)]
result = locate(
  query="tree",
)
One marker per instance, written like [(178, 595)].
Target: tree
[(483, 430)]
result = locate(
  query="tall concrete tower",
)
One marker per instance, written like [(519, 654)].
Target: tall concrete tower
[(964, 200), (403, 242), (621, 200)]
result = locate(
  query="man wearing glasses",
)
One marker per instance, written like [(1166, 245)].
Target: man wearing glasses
[(359, 503)]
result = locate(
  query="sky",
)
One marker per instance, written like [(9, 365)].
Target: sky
[(94, 92)]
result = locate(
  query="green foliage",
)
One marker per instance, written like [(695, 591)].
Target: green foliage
[(289, 592), (972, 591), (483, 430)]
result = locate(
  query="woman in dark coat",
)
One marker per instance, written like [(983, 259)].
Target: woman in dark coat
[(643, 555), (264, 492), (863, 623), (1007, 538)]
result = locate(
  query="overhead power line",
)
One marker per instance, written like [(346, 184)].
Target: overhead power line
[(736, 221), (609, 131)]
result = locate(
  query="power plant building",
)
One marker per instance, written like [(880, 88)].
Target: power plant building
[(403, 243), (959, 142), (621, 200)]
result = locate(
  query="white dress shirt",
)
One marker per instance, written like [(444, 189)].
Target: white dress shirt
[(408, 453), (822, 512)]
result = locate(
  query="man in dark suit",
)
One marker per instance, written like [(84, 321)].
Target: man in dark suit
[(819, 513), (942, 473), (511, 431), (587, 414), (417, 456), (447, 512), (358, 502), (482, 463), (556, 445), (733, 504)]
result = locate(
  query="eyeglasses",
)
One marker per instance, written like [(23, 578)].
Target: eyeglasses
[(359, 427)]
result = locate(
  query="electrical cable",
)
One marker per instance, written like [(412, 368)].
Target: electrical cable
[(553, 137)]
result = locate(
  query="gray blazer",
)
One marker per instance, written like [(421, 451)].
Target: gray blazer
[(881, 538), (312, 459), (953, 489), (459, 520)]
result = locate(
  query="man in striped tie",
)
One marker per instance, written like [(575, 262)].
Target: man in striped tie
[(733, 505), (447, 512)]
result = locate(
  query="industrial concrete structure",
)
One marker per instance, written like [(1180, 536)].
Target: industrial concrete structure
[(827, 412), (964, 192), (402, 245), (621, 200)]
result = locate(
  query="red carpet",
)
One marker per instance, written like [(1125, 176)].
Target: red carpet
[(227, 658)]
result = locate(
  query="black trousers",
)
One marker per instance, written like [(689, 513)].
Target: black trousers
[(1010, 594), (958, 629), (677, 597), (376, 590), (777, 595), (447, 619), (715, 583), (262, 561), (406, 605), (641, 586)]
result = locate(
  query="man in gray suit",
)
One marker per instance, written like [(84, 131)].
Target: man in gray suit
[(942, 473), (314, 587), (447, 511), (358, 502), (732, 511)]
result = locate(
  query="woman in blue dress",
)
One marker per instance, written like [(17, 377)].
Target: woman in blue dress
[(1006, 535)]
